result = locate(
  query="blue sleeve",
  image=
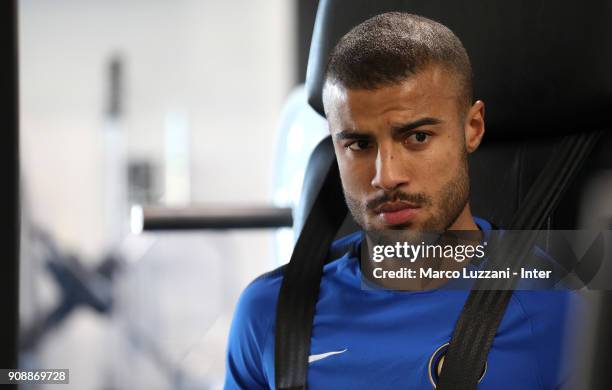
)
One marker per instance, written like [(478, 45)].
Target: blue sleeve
[(250, 328)]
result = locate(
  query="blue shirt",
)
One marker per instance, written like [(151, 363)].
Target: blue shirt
[(381, 339)]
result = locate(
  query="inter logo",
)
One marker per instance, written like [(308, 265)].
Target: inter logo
[(435, 365)]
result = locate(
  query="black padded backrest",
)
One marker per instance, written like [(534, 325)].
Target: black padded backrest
[(313, 181), (543, 70), (541, 66), (317, 167)]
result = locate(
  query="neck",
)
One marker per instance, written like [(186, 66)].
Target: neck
[(465, 221)]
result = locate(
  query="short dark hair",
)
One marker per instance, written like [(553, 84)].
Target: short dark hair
[(390, 47)]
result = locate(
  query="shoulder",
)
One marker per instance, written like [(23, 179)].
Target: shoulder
[(540, 303), (548, 314), (251, 324), (258, 299), (547, 310), (256, 306), (256, 309)]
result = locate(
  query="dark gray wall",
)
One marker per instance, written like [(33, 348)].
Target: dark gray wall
[(9, 129)]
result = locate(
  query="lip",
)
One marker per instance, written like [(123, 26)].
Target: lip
[(395, 213)]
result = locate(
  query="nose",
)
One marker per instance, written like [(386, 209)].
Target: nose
[(390, 172)]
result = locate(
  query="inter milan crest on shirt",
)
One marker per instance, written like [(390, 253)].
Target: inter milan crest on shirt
[(435, 365)]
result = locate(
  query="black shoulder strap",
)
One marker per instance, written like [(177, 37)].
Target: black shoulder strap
[(484, 309), (300, 287)]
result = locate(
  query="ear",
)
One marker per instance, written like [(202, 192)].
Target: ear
[(474, 126)]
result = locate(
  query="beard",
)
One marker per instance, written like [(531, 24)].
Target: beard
[(446, 205)]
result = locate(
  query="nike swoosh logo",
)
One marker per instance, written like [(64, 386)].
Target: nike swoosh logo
[(314, 358)]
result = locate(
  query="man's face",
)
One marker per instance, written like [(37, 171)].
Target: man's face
[(402, 151)]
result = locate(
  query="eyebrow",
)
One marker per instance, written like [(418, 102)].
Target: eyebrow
[(407, 127), (396, 131), (351, 134)]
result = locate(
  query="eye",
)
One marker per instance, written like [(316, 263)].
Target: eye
[(418, 138), (359, 145)]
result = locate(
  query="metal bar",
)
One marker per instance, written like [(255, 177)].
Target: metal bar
[(210, 218)]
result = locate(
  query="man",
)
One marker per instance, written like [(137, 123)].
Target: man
[(398, 100)]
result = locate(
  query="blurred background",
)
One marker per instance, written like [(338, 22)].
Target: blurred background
[(133, 104), (162, 153)]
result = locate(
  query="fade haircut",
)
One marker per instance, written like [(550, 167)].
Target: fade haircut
[(390, 47)]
